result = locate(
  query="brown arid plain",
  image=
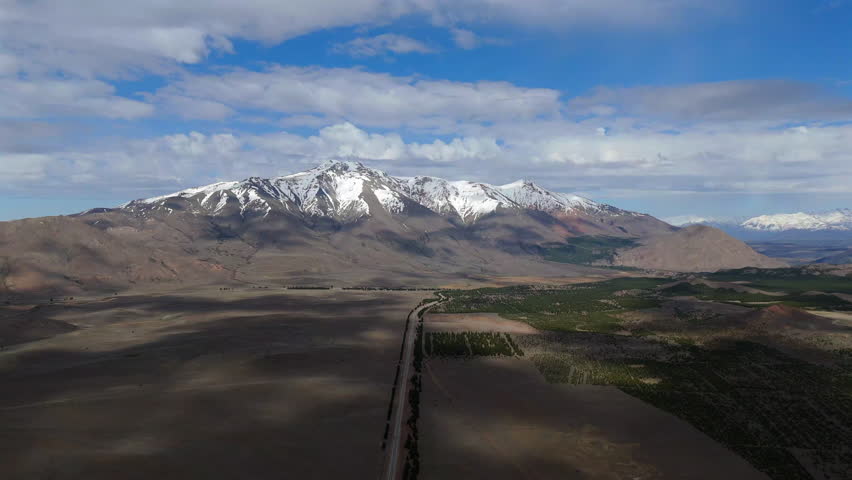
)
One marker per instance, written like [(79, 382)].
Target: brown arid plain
[(238, 383), (253, 382), (262, 381)]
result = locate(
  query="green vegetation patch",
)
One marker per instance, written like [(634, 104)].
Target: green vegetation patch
[(772, 409), (799, 300), (463, 344), (586, 249), (754, 399), (705, 292), (584, 307), (789, 280)]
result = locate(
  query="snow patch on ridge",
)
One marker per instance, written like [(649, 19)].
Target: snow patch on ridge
[(529, 195), (337, 190)]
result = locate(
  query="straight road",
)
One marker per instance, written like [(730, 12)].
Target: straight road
[(393, 458)]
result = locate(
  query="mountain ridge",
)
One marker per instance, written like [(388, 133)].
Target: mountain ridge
[(340, 223), (835, 220), (839, 219), (334, 190)]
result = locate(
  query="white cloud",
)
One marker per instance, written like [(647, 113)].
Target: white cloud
[(105, 37), (381, 45), (28, 136), (8, 64), (199, 145), (469, 40), (465, 38), (372, 99), (23, 167), (774, 100), (578, 13), (458, 149), (37, 98), (348, 141), (557, 155), (197, 108)]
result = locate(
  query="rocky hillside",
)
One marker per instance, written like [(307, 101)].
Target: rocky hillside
[(696, 248)]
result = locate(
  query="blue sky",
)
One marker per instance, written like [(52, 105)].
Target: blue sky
[(673, 107)]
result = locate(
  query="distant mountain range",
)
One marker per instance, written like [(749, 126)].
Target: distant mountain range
[(798, 238), (345, 223), (837, 220), (832, 227), (834, 220)]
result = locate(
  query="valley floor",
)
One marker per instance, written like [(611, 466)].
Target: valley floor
[(733, 375), (205, 384)]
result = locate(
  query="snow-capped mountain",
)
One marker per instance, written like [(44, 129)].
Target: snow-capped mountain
[(839, 220), (687, 220), (836, 220), (347, 191), (813, 229)]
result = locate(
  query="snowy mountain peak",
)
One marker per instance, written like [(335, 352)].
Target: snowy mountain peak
[(529, 195), (347, 190), (837, 220), (687, 220)]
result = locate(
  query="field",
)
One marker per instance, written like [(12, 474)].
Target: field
[(203, 384), (791, 280), (490, 413), (741, 356), (578, 307), (768, 407), (497, 418), (474, 344), (478, 322)]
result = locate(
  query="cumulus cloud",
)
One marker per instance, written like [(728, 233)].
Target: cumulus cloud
[(59, 53), (346, 141), (23, 167), (458, 149), (104, 37), (47, 97), (381, 45), (372, 99), (799, 160), (774, 100)]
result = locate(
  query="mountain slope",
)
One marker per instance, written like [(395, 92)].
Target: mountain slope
[(339, 223), (67, 255), (695, 248)]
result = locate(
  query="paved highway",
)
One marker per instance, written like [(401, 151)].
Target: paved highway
[(395, 442)]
